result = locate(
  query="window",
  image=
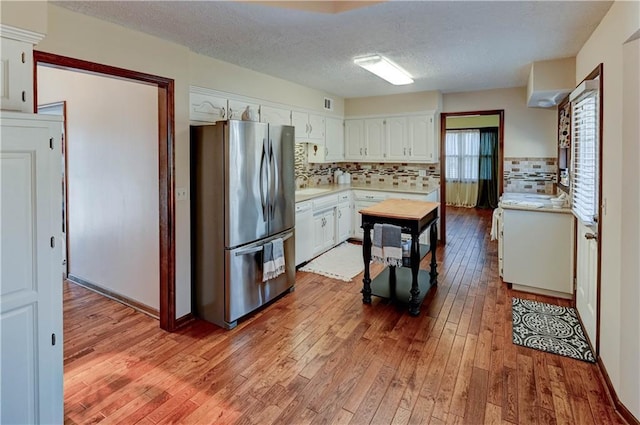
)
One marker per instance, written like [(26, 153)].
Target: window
[(585, 143), (462, 154)]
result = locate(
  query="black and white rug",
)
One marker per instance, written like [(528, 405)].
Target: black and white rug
[(549, 328)]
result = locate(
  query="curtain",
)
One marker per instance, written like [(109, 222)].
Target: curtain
[(488, 166), (462, 150)]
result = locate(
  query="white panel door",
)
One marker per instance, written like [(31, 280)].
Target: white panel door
[(354, 139), (238, 108), (334, 140), (276, 116), (421, 139), (587, 279), (31, 271), (397, 138), (374, 139)]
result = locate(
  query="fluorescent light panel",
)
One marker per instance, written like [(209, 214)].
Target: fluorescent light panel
[(384, 69)]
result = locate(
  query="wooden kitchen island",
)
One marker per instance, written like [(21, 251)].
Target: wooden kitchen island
[(413, 217)]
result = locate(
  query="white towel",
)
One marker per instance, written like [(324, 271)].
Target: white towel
[(386, 246), (497, 215), (272, 259)]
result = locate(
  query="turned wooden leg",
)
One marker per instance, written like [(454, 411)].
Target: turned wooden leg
[(414, 305), (433, 242), (366, 257)]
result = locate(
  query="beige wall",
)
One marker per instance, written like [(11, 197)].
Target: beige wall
[(473, 122), (619, 319), (528, 132), (393, 104), (112, 151), (26, 15), (82, 37)]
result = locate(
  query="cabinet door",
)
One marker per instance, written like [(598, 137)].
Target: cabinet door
[(329, 229), (31, 336), (16, 75), (237, 108), (316, 127), (318, 233), (396, 136), (334, 140), (374, 139), (276, 116), (300, 120), (354, 139), (204, 107), (421, 143), (344, 222)]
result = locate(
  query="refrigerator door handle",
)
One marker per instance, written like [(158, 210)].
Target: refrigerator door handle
[(262, 188), (274, 180), (258, 248)]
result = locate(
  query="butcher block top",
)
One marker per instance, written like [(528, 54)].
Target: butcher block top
[(405, 209)]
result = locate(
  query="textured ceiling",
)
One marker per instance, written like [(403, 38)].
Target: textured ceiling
[(449, 46)]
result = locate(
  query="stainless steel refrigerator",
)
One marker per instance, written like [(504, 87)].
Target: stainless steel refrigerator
[(242, 197)]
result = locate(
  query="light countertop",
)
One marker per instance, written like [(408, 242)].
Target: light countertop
[(329, 189), (547, 207)]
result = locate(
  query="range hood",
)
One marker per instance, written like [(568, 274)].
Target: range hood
[(550, 82)]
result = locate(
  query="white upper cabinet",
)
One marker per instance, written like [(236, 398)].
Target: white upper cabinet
[(422, 141), (374, 139), (397, 138), (16, 68), (208, 108), (408, 138), (241, 110), (334, 140), (331, 149), (279, 116), (309, 127), (353, 139)]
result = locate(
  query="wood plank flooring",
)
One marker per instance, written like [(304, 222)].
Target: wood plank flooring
[(319, 356)]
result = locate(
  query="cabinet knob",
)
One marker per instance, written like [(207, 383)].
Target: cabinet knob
[(223, 112)]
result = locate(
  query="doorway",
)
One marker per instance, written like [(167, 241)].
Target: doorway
[(471, 159), (165, 123)]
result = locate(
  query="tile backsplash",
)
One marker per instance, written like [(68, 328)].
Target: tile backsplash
[(394, 174), (535, 175)]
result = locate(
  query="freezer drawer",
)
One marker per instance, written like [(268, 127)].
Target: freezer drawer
[(244, 289)]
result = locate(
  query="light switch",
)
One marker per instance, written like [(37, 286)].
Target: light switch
[(181, 194)]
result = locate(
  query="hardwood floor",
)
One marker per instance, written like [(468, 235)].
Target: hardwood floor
[(318, 355)]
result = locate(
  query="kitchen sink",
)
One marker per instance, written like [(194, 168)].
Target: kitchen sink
[(311, 191)]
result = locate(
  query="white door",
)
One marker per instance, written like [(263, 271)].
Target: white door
[(421, 138), (31, 272), (397, 138), (587, 279), (277, 116), (334, 140), (374, 138)]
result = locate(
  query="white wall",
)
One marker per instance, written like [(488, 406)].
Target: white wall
[(393, 104), (620, 312), (528, 132), (112, 153), (83, 37)]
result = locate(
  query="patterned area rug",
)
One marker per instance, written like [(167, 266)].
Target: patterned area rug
[(549, 328), (342, 262)]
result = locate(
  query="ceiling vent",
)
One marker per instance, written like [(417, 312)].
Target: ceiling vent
[(328, 104)]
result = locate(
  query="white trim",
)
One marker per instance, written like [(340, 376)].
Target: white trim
[(584, 87), (19, 34)]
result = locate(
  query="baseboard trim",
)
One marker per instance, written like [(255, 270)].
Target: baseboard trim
[(620, 408), (138, 306), (185, 320)]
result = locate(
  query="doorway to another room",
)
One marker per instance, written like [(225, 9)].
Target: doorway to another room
[(471, 161)]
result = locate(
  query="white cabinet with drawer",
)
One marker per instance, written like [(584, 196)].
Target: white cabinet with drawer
[(304, 228)]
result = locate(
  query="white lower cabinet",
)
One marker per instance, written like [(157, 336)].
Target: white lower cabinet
[(304, 228), (324, 231), (344, 217)]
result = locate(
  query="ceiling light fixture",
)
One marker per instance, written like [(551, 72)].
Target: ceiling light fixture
[(384, 69)]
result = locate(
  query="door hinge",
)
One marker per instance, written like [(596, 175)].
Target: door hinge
[(51, 143)]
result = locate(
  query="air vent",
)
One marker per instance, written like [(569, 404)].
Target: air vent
[(328, 104)]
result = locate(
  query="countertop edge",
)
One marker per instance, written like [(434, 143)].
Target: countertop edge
[(337, 188), (541, 209)]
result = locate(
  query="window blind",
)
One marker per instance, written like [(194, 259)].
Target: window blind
[(585, 134), (462, 150)]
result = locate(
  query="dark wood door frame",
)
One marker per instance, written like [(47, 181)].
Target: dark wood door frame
[(166, 142), (443, 183)]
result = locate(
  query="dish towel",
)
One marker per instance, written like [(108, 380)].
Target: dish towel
[(386, 247), (273, 259), (497, 216)]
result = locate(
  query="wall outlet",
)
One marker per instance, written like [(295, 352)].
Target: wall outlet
[(181, 194), (422, 173)]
